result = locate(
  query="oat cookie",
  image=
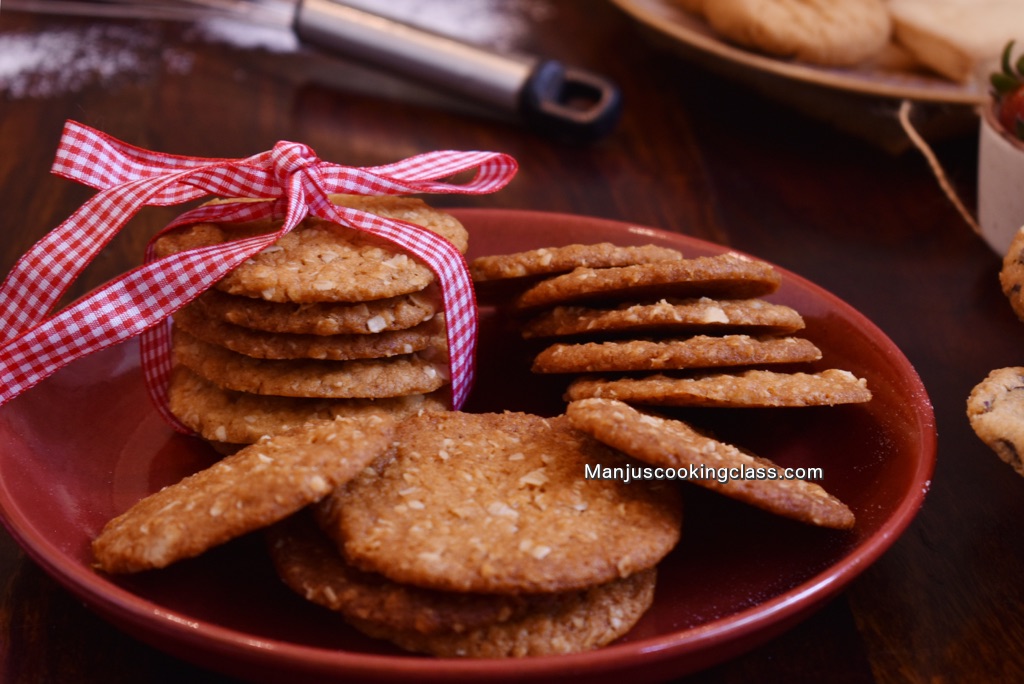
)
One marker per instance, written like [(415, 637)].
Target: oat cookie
[(674, 444), (995, 409), (749, 388), (586, 620), (324, 318), (550, 260), (239, 418), (253, 488), (309, 563), (1011, 276), (701, 351), (323, 262), (498, 503), (263, 345), (362, 379), (826, 32), (667, 317), (725, 275)]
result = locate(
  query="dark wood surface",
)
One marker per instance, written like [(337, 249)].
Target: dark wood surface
[(694, 153)]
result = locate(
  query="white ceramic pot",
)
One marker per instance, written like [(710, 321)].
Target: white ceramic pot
[(1000, 182)]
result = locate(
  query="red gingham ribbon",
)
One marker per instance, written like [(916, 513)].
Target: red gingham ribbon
[(34, 344)]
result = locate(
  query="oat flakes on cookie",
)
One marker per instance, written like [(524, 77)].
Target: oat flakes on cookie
[(582, 621), (321, 318), (701, 351), (750, 388), (548, 261), (255, 487), (417, 373), (320, 261), (239, 418), (729, 276), (995, 409), (674, 444), (263, 345), (669, 317), (497, 503)]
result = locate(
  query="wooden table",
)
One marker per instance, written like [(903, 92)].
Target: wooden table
[(694, 153)]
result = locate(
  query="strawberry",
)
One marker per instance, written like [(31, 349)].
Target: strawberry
[(1008, 93)]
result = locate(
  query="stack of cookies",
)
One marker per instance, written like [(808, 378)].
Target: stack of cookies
[(672, 331), (329, 321), (446, 533)]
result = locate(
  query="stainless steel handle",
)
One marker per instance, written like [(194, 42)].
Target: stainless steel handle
[(565, 102)]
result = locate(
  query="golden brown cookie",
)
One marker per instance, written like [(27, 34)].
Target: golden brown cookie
[(323, 262), (719, 466), (264, 345), (995, 409), (325, 318), (749, 388), (362, 379), (239, 418), (702, 351), (498, 503), (551, 260), (826, 32), (584, 621), (1011, 276), (672, 317), (253, 488), (309, 563), (727, 276)]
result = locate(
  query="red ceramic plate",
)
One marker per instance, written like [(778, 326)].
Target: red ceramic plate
[(85, 444)]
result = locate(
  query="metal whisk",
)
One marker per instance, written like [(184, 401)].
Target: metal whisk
[(553, 98)]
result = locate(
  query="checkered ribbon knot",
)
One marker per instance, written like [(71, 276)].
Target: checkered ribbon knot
[(35, 341)]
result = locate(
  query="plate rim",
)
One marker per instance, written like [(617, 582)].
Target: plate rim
[(765, 618)]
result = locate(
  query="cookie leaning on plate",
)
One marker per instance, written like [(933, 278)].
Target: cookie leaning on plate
[(253, 488), (674, 444)]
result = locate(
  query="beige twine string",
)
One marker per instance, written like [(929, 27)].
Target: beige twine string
[(940, 175)]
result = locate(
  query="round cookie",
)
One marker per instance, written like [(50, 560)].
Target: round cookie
[(324, 318), (498, 503), (253, 488), (1011, 276), (309, 563), (749, 388), (361, 379), (320, 261), (666, 316), (701, 351), (263, 345), (239, 418), (549, 260), (584, 621), (825, 32), (674, 444), (995, 409), (725, 275)]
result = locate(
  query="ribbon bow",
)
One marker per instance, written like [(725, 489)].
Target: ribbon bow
[(35, 344)]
